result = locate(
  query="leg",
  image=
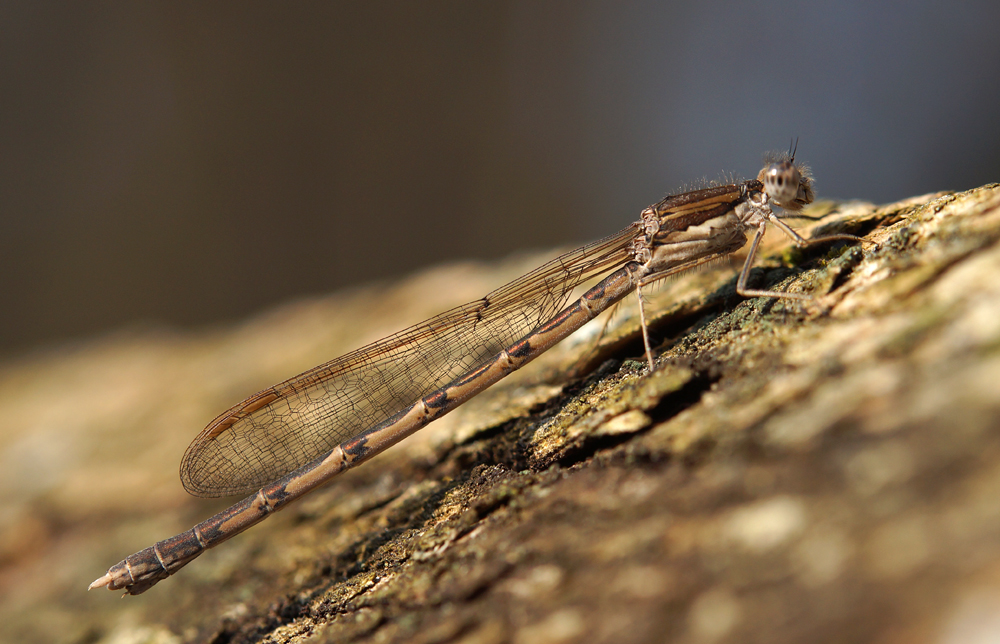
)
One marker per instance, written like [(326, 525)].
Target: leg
[(649, 279), (802, 241), (741, 283), (642, 323), (799, 240)]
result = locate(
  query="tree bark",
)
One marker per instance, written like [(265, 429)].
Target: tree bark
[(824, 471)]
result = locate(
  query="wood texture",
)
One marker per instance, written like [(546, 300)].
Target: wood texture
[(826, 472)]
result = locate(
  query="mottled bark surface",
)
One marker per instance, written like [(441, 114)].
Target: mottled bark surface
[(826, 472)]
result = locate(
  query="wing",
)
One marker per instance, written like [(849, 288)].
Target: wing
[(285, 426)]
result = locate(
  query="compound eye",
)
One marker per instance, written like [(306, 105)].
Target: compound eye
[(781, 183)]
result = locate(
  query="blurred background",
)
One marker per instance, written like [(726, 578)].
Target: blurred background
[(186, 164)]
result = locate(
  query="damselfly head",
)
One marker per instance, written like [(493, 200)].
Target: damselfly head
[(787, 184)]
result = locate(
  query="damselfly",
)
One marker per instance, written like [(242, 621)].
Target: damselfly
[(286, 440)]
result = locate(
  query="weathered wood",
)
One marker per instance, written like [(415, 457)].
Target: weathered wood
[(826, 472)]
